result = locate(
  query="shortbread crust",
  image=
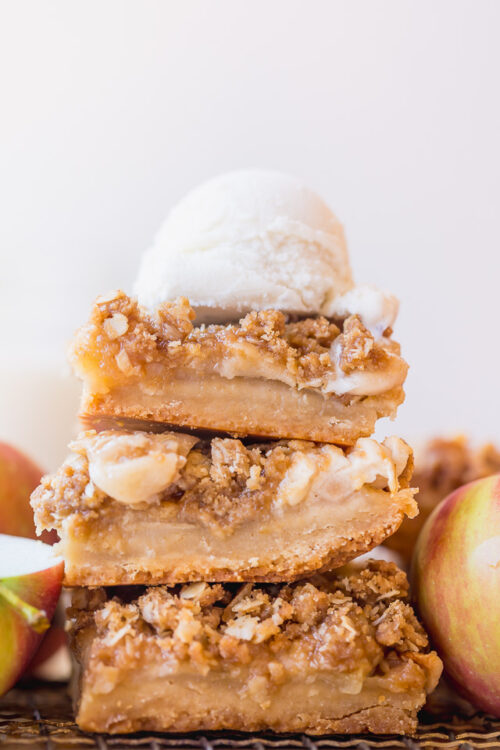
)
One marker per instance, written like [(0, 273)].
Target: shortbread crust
[(265, 376), (339, 653), (135, 507)]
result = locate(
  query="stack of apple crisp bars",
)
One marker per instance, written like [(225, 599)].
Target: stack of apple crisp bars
[(206, 512)]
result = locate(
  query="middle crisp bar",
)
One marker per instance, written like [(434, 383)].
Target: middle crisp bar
[(136, 507)]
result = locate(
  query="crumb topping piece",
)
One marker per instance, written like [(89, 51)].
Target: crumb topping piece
[(357, 621), (446, 464), (219, 483), (442, 466), (122, 341)]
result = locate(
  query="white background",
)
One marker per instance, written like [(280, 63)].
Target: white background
[(112, 109)]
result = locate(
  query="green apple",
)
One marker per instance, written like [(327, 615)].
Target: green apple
[(456, 578), (30, 584)]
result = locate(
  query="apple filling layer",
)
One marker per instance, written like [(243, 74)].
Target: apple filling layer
[(337, 653), (310, 379), (135, 507)]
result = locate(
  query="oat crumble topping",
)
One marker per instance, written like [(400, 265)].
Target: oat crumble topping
[(121, 339), (220, 483), (352, 621), (442, 466)]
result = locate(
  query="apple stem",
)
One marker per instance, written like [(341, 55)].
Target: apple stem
[(36, 618)]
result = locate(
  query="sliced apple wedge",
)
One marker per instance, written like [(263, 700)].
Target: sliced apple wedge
[(30, 584)]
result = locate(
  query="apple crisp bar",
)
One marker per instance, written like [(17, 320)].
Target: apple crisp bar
[(137, 507), (442, 466), (266, 376), (339, 653)]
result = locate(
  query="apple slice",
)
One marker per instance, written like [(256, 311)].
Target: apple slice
[(30, 584)]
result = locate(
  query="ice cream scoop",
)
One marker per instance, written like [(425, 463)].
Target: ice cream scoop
[(253, 240)]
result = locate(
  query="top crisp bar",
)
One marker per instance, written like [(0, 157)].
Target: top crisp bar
[(268, 376)]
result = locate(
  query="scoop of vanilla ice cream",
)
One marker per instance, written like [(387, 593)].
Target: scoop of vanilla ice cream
[(247, 240), (253, 240), (377, 309)]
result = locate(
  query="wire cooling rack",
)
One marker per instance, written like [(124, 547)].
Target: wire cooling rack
[(41, 718)]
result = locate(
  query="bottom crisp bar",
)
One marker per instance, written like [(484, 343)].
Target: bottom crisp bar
[(338, 653)]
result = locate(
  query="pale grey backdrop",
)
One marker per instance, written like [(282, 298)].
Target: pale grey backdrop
[(112, 109)]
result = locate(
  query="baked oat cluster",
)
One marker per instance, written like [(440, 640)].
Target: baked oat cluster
[(128, 338), (351, 635), (442, 466), (310, 378), (211, 512), (366, 612), (220, 510)]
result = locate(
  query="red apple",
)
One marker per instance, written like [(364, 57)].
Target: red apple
[(52, 661), (18, 478), (30, 584), (456, 576)]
